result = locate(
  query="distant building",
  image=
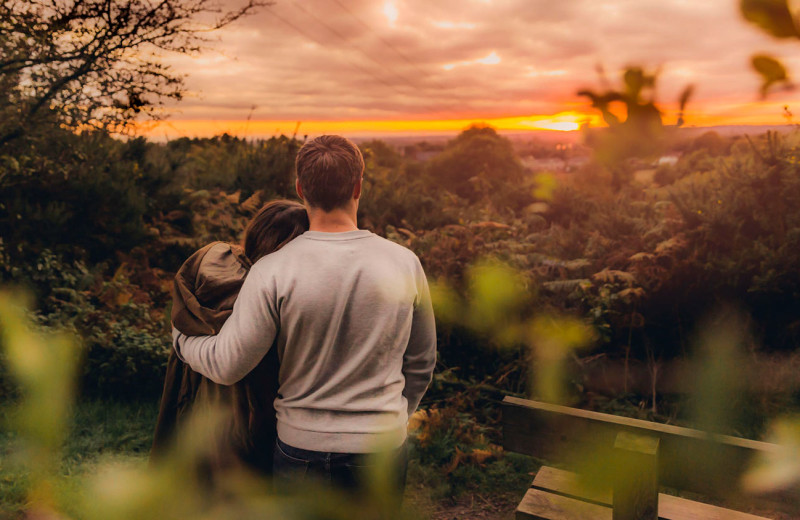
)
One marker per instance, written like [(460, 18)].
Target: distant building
[(554, 164), (422, 151), (545, 163), (667, 160), (423, 156)]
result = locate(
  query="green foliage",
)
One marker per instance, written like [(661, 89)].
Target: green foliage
[(71, 192), (395, 194), (776, 18), (475, 164), (452, 454), (779, 470), (44, 370), (631, 264), (127, 343), (772, 16), (641, 134), (771, 70), (228, 163), (125, 362)]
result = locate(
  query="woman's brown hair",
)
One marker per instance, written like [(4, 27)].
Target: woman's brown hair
[(274, 226)]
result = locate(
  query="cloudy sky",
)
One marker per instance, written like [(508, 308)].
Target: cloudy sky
[(396, 66)]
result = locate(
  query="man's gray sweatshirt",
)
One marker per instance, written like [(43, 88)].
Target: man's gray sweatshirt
[(351, 317)]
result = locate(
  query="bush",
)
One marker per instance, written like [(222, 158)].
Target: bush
[(127, 341), (125, 362), (475, 164), (71, 193)]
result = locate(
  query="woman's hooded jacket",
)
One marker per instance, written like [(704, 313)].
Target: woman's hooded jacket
[(205, 289)]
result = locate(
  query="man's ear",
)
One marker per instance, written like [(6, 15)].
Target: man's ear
[(357, 189), (298, 189)]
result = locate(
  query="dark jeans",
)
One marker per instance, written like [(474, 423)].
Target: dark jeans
[(350, 471)]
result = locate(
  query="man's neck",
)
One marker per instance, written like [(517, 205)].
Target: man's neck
[(339, 220)]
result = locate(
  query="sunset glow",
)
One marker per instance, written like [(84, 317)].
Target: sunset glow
[(566, 121), (767, 113)]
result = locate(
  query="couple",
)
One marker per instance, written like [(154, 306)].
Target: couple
[(332, 324)]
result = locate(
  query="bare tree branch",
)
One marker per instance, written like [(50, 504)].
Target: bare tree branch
[(95, 63)]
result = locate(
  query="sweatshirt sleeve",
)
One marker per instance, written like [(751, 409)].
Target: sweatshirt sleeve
[(420, 356), (242, 342)]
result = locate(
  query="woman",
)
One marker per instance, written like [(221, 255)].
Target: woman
[(205, 289)]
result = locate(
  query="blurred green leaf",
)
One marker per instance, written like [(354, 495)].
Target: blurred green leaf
[(496, 296), (546, 184), (771, 70), (635, 80), (719, 371), (686, 94), (44, 368), (447, 304), (772, 16), (554, 339), (780, 469)]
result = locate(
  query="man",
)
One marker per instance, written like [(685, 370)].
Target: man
[(350, 315)]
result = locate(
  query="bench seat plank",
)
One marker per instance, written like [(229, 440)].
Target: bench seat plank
[(567, 484), (542, 505)]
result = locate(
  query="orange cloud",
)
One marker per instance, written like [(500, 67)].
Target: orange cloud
[(404, 66)]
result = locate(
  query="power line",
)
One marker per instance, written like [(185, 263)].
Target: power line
[(381, 38), (359, 49), (322, 44)]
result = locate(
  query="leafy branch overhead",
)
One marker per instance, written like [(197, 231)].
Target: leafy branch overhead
[(642, 133), (776, 18), (98, 63)]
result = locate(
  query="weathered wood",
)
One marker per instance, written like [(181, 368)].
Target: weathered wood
[(689, 459), (541, 505), (568, 484), (571, 485), (635, 477)]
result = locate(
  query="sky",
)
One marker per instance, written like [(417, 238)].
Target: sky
[(384, 67)]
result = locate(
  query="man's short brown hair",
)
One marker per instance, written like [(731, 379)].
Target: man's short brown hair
[(328, 169)]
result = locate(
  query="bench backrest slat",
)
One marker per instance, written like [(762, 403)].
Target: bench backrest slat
[(689, 459)]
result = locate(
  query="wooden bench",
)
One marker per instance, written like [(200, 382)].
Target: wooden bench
[(630, 458)]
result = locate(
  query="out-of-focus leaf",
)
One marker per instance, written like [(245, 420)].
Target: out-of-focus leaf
[(446, 302), (685, 96), (682, 101), (772, 16), (497, 293), (554, 339), (771, 70), (718, 371), (634, 79), (778, 470), (545, 186), (44, 368)]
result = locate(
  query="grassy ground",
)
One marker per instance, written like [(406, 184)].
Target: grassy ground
[(100, 433), (104, 432)]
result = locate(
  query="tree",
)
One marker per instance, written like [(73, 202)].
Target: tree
[(475, 162), (97, 63)]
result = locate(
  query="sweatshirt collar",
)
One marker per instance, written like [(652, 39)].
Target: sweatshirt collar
[(345, 235)]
